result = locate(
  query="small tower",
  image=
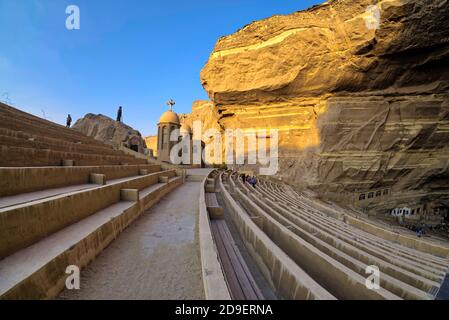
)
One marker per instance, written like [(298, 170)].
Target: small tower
[(168, 123)]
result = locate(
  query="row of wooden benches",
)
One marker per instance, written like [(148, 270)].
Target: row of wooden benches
[(240, 281)]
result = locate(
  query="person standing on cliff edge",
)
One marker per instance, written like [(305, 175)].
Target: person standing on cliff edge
[(69, 121), (119, 114)]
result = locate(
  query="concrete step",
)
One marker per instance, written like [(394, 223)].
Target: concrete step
[(409, 286), (28, 136), (408, 242), (29, 157), (17, 181), (287, 278), (21, 199), (410, 282), (56, 145), (397, 249), (44, 129), (24, 224), (409, 262), (382, 244), (338, 279), (433, 272), (13, 114), (425, 260), (39, 271), (31, 197)]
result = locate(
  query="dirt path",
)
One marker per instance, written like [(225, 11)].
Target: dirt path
[(157, 257)]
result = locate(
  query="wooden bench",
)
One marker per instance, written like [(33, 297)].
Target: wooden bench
[(214, 209), (241, 283)]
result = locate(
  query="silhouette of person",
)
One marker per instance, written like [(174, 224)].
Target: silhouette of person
[(119, 114), (69, 121)]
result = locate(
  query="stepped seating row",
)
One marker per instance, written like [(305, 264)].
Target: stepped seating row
[(432, 245), (19, 121), (216, 212), (334, 254), (27, 140), (63, 198), (26, 223), (215, 285), (30, 157), (17, 181), (407, 270), (42, 237), (304, 204), (285, 276), (239, 279)]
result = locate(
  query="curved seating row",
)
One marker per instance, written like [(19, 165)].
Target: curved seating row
[(334, 254)]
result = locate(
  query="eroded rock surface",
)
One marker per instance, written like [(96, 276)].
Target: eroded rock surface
[(111, 132)]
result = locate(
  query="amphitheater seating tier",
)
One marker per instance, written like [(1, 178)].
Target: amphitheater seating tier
[(29, 141), (54, 216), (332, 252)]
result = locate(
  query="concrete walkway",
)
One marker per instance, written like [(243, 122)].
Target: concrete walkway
[(157, 257)]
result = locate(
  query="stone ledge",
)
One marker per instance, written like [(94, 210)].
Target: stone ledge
[(215, 287), (43, 217), (23, 180)]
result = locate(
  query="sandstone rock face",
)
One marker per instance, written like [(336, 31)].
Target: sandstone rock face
[(204, 123), (357, 107), (204, 113), (111, 132), (330, 48), (151, 143)]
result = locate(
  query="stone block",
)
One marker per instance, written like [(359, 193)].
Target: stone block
[(163, 179), (143, 172), (96, 178), (68, 163), (129, 195)]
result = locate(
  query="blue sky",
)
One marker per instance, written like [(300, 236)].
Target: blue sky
[(135, 53)]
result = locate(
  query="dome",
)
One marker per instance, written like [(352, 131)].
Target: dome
[(185, 129), (169, 117)]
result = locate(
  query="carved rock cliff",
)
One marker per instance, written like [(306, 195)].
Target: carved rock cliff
[(358, 90)]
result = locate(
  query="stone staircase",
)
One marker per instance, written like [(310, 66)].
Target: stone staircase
[(28, 141), (332, 254), (53, 216)]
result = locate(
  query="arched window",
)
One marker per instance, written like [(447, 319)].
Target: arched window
[(362, 197), (378, 194), (371, 195)]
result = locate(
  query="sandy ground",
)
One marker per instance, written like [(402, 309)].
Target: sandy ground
[(157, 257)]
